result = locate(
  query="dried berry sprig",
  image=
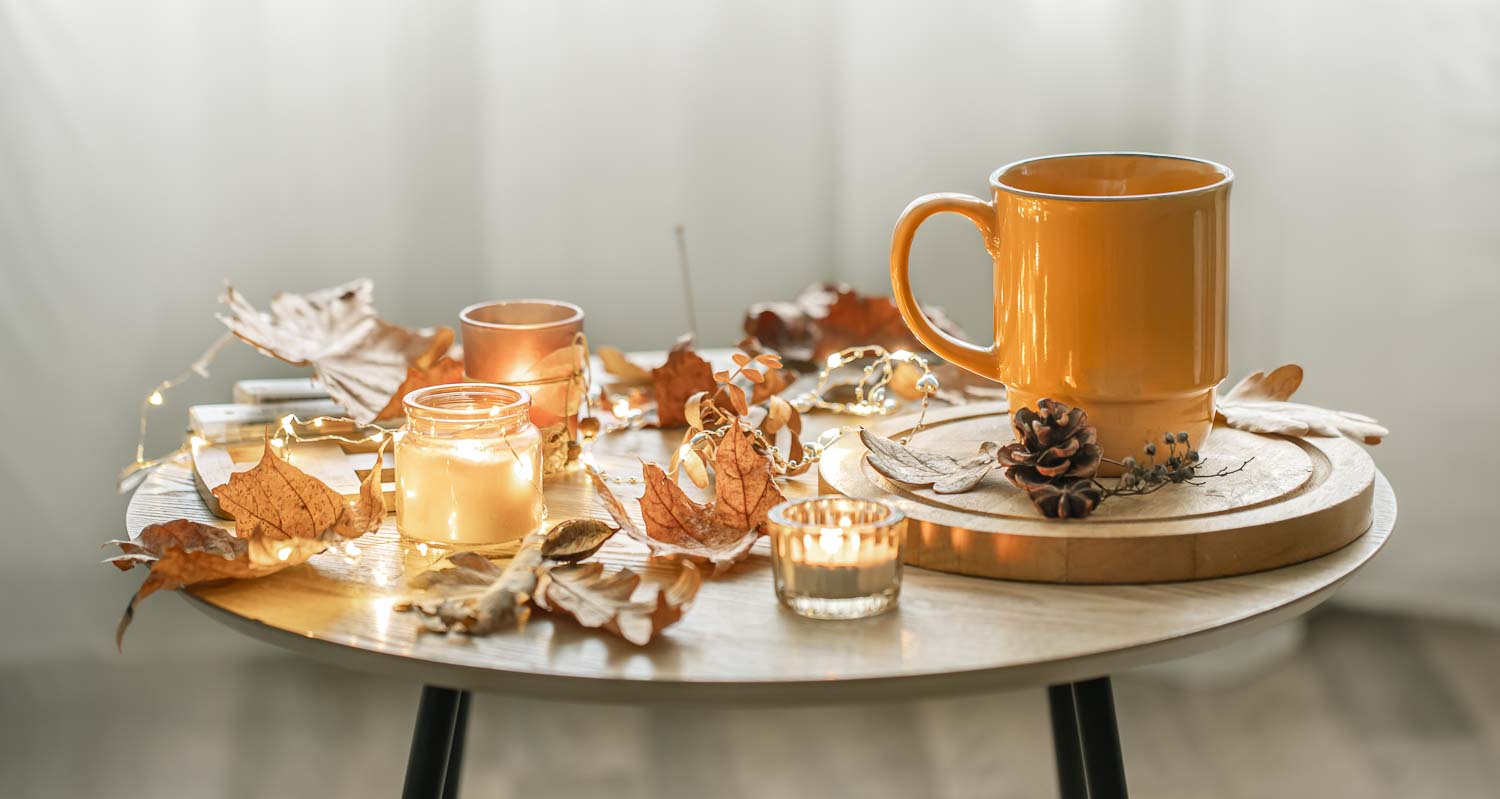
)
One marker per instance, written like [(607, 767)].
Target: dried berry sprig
[(1179, 467)]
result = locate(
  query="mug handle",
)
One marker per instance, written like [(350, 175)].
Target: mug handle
[(979, 360)]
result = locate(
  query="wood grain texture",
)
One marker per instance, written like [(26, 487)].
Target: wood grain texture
[(950, 635), (1296, 499)]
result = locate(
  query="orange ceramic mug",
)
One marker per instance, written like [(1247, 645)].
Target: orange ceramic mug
[(1110, 287)]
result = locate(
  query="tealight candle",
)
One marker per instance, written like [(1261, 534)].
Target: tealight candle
[(835, 557), (468, 465)]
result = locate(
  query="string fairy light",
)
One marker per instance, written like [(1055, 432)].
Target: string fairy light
[(137, 469)]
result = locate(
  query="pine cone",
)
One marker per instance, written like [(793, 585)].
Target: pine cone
[(1053, 442), (1066, 498)]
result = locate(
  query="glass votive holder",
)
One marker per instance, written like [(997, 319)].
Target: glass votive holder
[(468, 465), (835, 557), (539, 346)]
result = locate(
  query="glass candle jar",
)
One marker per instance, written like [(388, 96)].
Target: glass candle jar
[(468, 465), (835, 557), (537, 345)]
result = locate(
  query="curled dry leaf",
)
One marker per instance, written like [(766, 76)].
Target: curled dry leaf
[(501, 605), (361, 359), (622, 368), (946, 474), (605, 600), (683, 375), (181, 553), (721, 532), (1259, 404), (575, 539)]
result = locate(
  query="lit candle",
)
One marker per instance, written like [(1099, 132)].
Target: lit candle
[(837, 558), (468, 465), (537, 345)]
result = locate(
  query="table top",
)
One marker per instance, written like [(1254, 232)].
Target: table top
[(949, 635)]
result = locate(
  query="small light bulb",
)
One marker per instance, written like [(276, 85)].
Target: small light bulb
[(155, 398), (835, 361), (283, 553), (196, 442)]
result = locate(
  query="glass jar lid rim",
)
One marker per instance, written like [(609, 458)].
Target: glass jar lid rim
[(892, 516), (505, 400)]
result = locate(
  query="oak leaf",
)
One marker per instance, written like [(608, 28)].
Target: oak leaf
[(1259, 404), (282, 518), (361, 359), (606, 600), (683, 375), (946, 474)]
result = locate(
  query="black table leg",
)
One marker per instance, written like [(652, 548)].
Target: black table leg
[(431, 741), (456, 751), (1087, 740), (1071, 783)]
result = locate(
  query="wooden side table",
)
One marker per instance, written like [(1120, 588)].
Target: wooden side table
[(950, 635)]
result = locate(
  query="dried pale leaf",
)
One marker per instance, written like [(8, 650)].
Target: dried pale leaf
[(465, 570), (360, 359), (605, 601), (678, 526), (778, 413), (575, 539), (683, 375), (740, 358), (621, 367), (277, 500), (770, 359), (1259, 404), (946, 474), (500, 606), (695, 468), (369, 510), (745, 486), (754, 376)]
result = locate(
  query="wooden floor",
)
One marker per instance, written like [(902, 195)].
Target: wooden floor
[(1371, 706)]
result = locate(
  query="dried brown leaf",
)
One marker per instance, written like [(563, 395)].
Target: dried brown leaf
[(360, 359), (828, 317), (182, 553), (442, 371), (500, 606), (1259, 404), (946, 474), (678, 526), (683, 375), (605, 600), (744, 484), (575, 539)]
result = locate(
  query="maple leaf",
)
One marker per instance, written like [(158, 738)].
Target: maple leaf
[(721, 532), (361, 359), (276, 500), (181, 552), (605, 601), (1259, 404), (683, 375)]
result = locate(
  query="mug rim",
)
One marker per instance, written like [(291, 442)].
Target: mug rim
[(466, 316), (1226, 177)]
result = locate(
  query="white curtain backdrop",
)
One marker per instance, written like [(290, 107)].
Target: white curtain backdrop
[(149, 151)]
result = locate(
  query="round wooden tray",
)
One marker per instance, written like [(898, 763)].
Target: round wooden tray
[(1298, 499)]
